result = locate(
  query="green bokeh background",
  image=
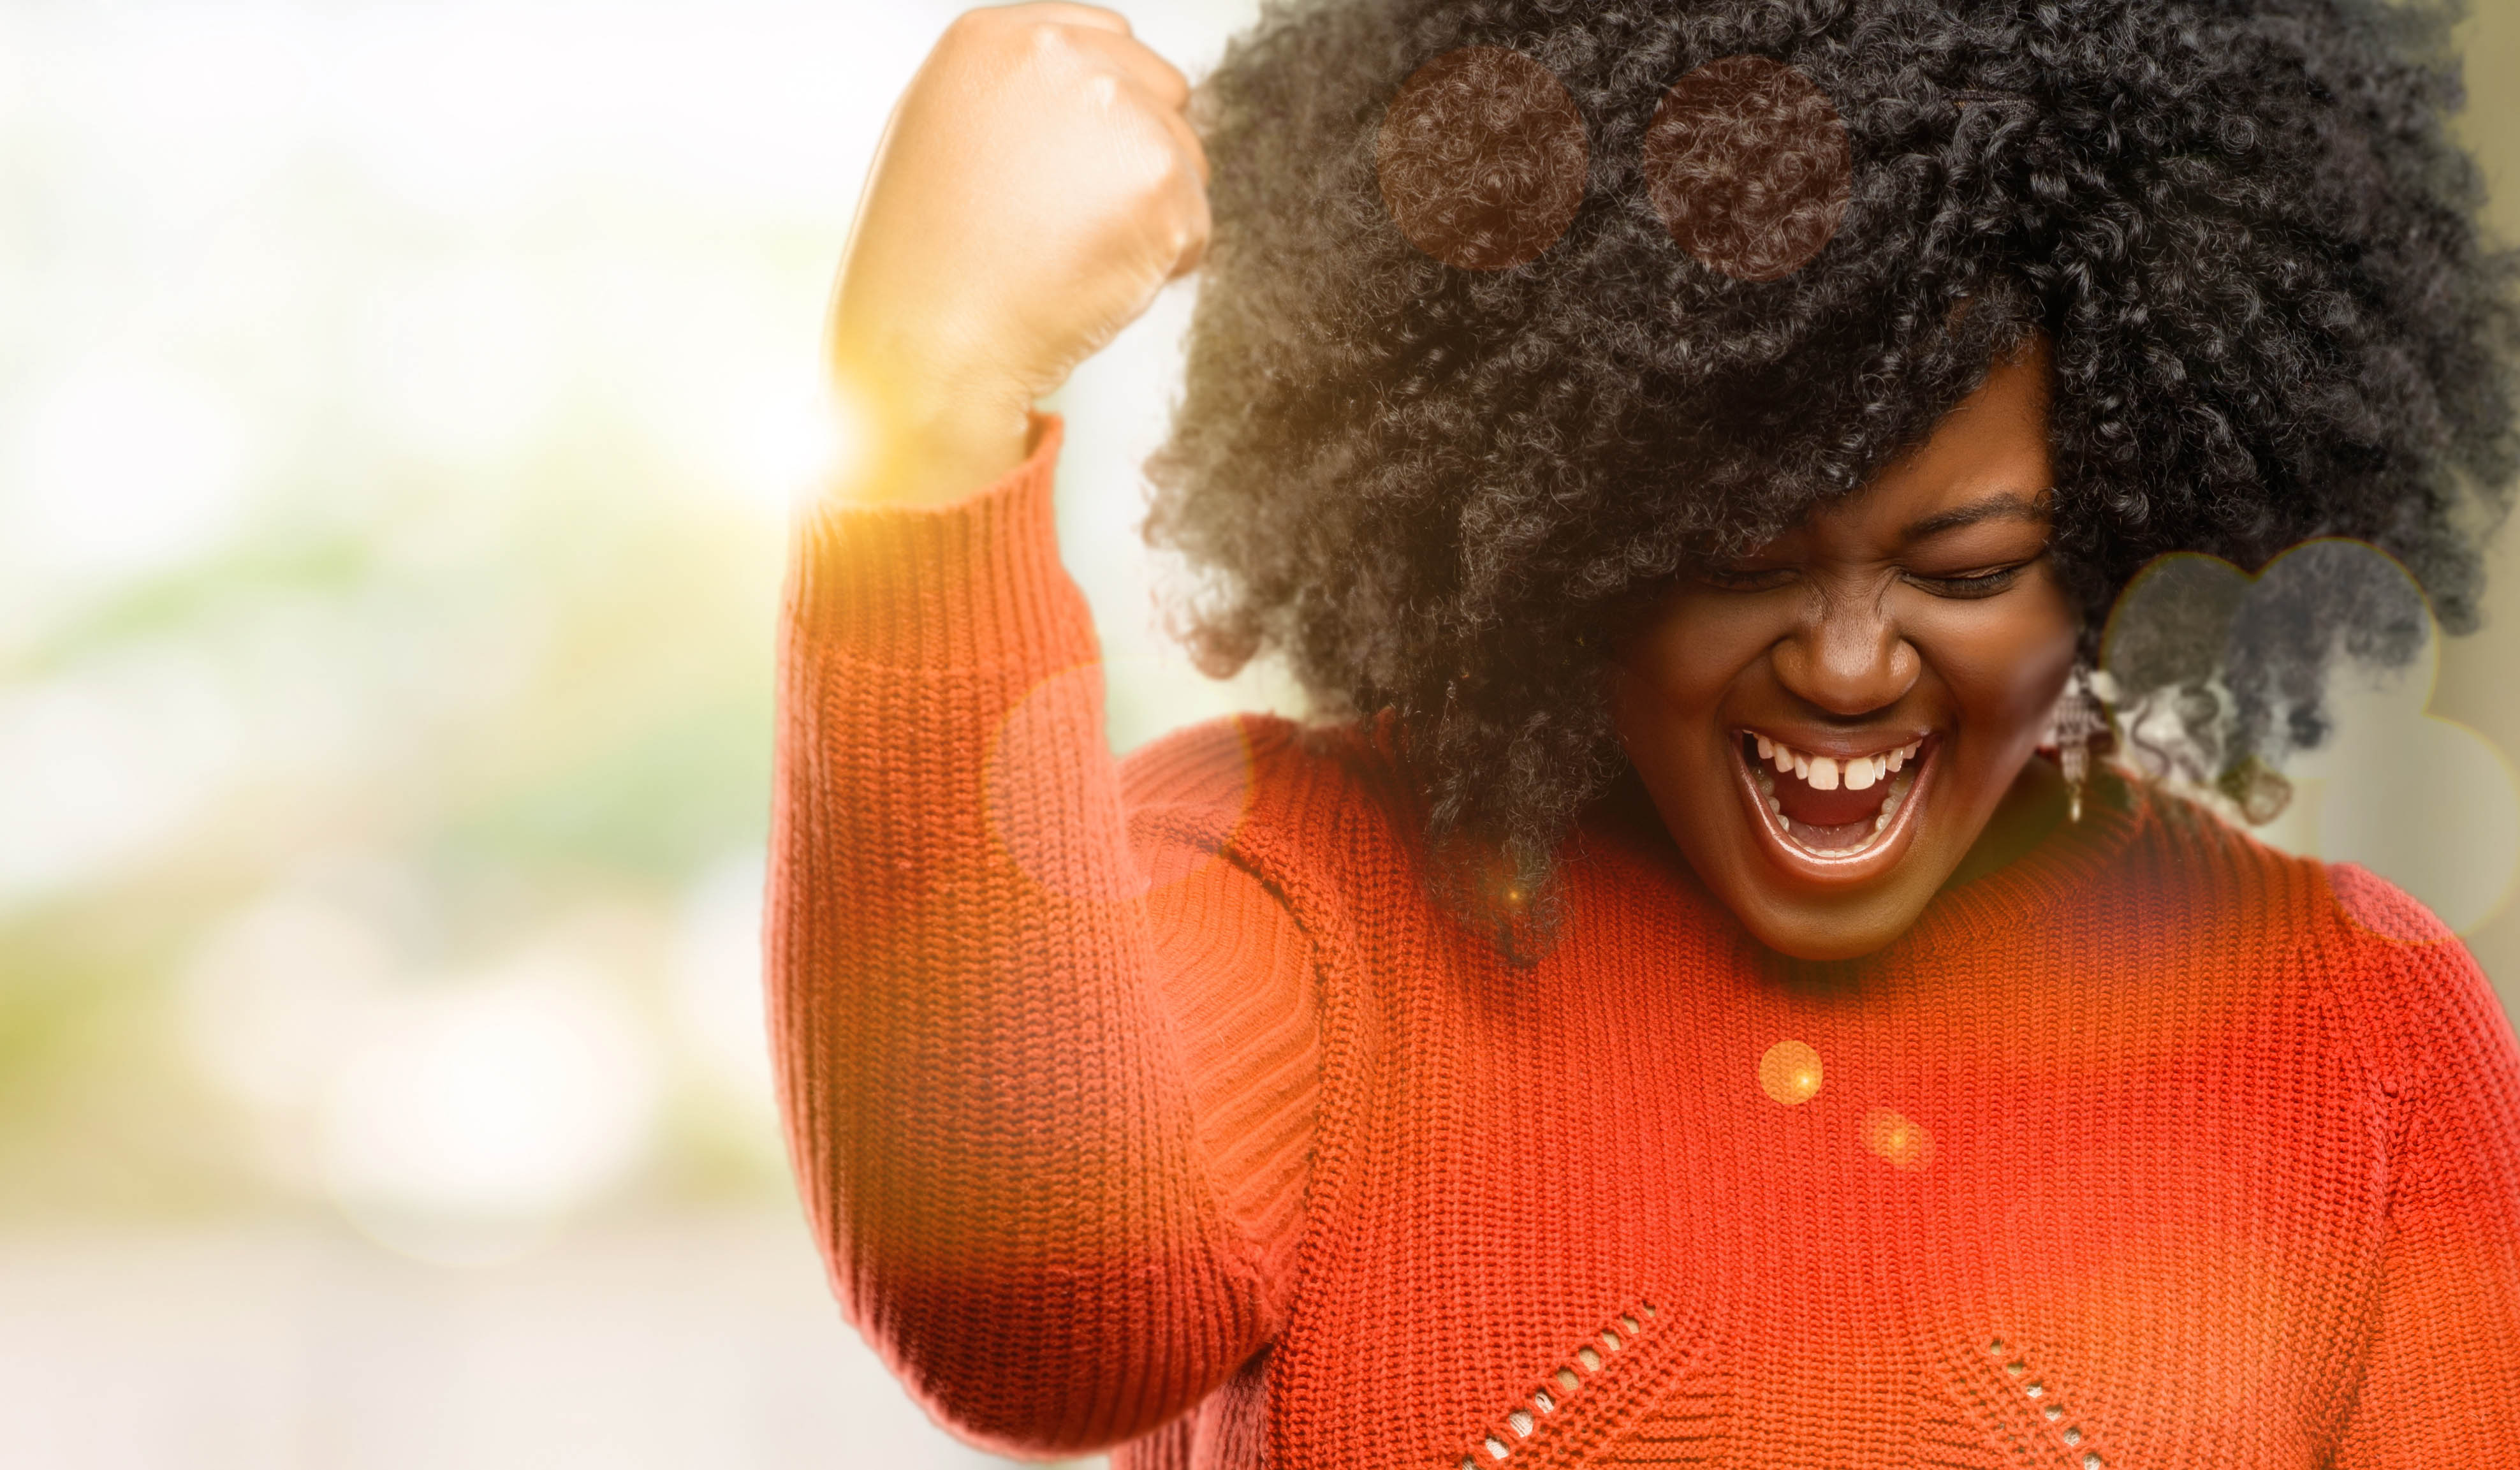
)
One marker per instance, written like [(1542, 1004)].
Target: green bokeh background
[(481, 332)]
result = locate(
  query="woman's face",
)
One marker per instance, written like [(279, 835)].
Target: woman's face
[(1830, 724)]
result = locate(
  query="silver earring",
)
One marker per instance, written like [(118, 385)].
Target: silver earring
[(2082, 712)]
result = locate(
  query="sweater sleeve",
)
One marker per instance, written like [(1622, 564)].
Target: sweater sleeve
[(1046, 1093), (2443, 1369)]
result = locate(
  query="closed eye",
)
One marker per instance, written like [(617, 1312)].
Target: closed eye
[(1969, 584)]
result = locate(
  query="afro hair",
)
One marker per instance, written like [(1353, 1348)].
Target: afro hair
[(1440, 493)]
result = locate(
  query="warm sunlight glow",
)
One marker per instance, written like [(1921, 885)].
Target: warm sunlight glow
[(472, 1115), (125, 465), (796, 445)]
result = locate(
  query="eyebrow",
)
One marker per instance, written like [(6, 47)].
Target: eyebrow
[(2007, 506)]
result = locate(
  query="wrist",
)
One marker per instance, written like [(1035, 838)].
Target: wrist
[(934, 442)]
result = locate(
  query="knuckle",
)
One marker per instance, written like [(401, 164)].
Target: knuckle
[(1181, 224), (1158, 181), (1046, 41), (1007, 33)]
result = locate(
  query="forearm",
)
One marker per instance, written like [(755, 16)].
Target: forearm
[(986, 1111)]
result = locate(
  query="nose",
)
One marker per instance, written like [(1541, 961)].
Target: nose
[(1847, 656)]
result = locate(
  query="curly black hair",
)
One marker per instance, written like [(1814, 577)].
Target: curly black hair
[(2241, 225)]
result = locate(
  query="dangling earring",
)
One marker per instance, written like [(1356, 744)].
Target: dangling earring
[(2082, 712)]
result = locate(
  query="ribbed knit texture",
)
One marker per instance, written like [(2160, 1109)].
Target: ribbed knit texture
[(1158, 1102)]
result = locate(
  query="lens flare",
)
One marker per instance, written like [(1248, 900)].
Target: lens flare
[(1482, 158), (1747, 162), (1789, 1072), (2429, 804), (1044, 777), (1898, 1140)]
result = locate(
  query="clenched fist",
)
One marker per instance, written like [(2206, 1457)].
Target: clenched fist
[(1037, 185)]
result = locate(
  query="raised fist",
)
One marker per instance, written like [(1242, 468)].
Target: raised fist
[(1037, 185)]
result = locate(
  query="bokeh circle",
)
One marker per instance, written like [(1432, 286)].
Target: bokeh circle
[(1482, 158), (1789, 1072), (1747, 162)]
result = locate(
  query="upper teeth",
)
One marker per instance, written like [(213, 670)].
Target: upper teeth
[(1824, 772)]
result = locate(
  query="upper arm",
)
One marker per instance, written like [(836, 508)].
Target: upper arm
[(1013, 1177), (1237, 982), (2442, 1366)]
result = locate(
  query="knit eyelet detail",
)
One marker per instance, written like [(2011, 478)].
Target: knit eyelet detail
[(1560, 1388), (2038, 1390)]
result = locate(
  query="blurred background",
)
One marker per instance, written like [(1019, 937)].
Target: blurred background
[(400, 411)]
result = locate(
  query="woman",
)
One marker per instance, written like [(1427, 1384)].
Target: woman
[(1667, 1009)]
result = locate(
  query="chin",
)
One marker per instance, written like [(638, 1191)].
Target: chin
[(1840, 931)]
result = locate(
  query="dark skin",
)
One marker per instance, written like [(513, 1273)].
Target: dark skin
[(1920, 619), (1039, 183)]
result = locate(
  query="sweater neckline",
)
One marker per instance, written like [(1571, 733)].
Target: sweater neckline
[(2063, 862)]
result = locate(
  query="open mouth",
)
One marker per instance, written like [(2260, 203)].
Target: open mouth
[(1834, 808)]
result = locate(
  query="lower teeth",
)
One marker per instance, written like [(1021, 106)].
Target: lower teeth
[(1899, 786)]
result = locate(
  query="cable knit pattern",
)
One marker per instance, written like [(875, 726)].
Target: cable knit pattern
[(1156, 1102)]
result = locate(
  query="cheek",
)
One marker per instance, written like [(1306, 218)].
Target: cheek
[(2006, 666), (1674, 672), (1654, 721)]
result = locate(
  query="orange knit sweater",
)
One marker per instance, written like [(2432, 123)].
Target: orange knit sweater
[(1154, 1102)]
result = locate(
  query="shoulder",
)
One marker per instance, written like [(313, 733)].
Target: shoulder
[(2420, 1004), (2339, 907), (1325, 817), (2156, 856), (2187, 878), (2407, 993), (1260, 780), (2403, 993)]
